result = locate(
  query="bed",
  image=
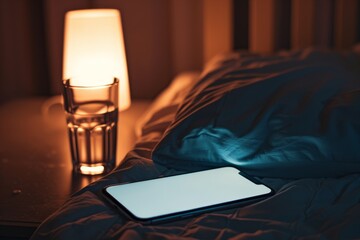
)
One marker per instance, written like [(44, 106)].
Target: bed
[(290, 119)]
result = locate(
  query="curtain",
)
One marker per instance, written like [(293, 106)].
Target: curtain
[(275, 25)]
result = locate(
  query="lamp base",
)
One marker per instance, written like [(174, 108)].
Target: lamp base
[(91, 169)]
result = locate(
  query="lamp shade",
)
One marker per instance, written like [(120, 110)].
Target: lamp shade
[(94, 51)]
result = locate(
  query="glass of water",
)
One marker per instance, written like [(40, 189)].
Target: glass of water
[(92, 116)]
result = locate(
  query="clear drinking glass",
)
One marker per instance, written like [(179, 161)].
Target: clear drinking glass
[(92, 116)]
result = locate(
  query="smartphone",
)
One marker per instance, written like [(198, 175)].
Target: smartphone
[(186, 195)]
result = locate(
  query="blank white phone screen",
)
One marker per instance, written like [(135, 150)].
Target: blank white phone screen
[(163, 196)]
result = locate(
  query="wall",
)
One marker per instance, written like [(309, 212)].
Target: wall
[(23, 65), (162, 38)]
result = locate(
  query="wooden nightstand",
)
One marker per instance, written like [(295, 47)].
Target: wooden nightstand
[(35, 164)]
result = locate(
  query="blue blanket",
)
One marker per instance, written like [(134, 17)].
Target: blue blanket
[(288, 115)]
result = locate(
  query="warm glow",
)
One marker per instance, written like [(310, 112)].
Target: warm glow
[(94, 51), (95, 170)]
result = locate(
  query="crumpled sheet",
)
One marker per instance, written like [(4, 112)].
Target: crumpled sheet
[(325, 208), (308, 208)]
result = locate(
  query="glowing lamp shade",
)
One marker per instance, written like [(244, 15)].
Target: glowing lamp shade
[(94, 51)]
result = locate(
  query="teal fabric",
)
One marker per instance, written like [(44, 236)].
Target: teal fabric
[(293, 115)]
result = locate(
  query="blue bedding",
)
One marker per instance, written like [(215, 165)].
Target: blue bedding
[(290, 115), (324, 206)]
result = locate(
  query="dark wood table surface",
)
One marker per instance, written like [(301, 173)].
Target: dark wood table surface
[(36, 175)]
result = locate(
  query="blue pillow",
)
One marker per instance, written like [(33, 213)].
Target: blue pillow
[(290, 115)]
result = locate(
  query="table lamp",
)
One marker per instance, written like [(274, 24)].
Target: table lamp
[(95, 86), (94, 51)]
